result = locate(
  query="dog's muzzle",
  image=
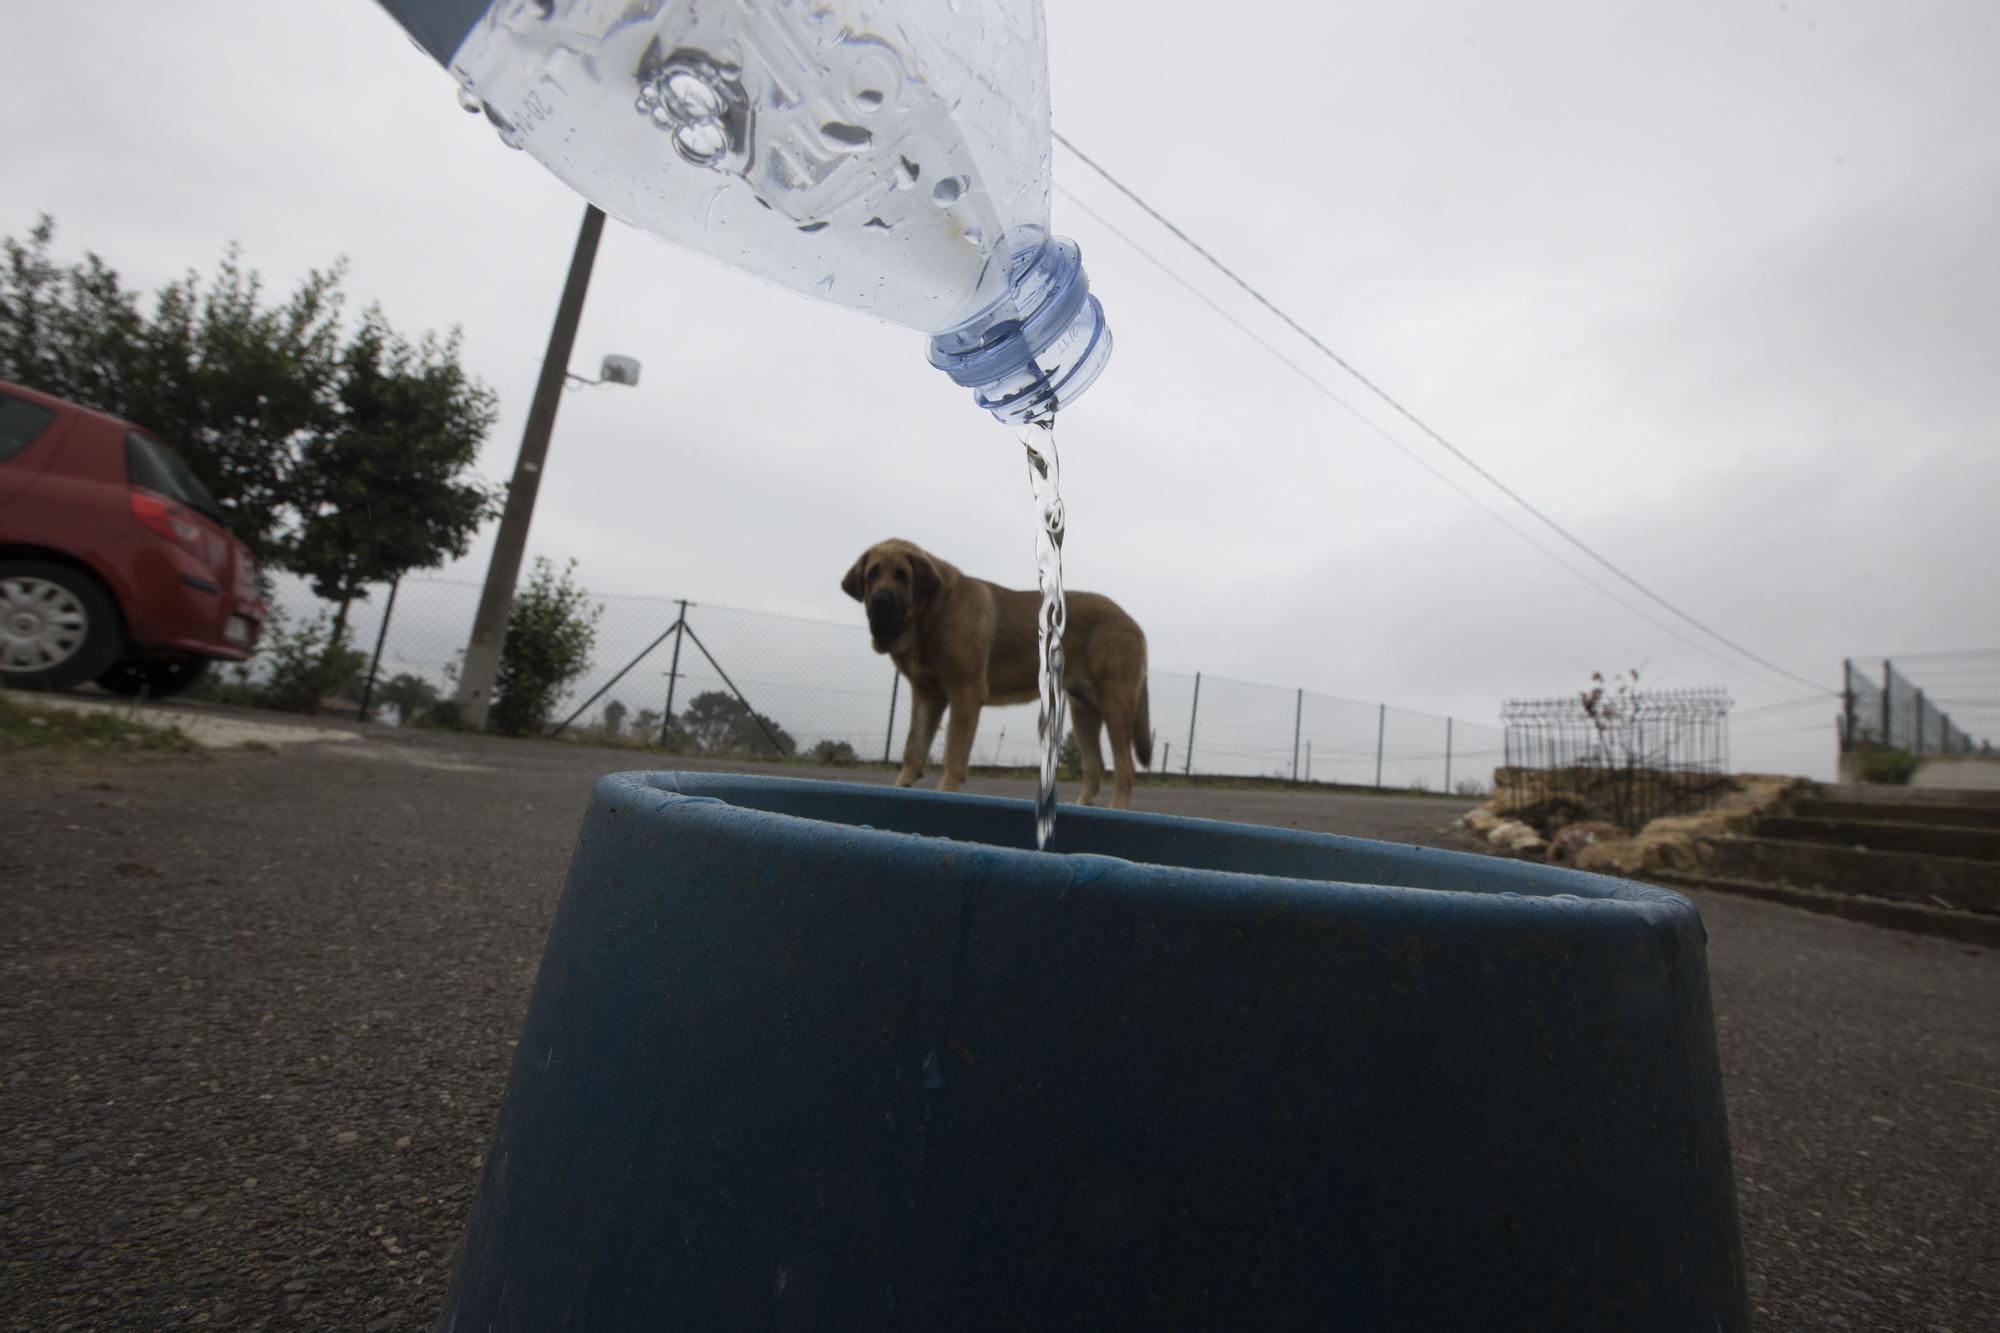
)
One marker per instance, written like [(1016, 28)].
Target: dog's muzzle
[(885, 616)]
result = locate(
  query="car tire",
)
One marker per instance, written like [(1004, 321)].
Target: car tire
[(158, 677), (58, 626)]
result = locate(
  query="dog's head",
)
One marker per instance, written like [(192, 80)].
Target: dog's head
[(893, 580)]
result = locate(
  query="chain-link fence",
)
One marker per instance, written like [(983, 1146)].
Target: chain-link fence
[(1926, 703), (719, 678)]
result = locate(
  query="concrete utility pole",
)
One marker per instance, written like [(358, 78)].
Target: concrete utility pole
[(489, 627)]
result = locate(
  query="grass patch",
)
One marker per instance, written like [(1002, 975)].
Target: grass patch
[(29, 726)]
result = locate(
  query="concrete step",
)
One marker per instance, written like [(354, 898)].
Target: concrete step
[(1975, 844), (1941, 881), (1924, 919), (1947, 816), (1869, 793)]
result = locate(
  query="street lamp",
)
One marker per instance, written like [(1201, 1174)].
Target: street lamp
[(489, 626), (615, 370)]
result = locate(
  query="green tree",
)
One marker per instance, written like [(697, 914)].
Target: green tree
[(550, 632), (241, 388), (73, 331), (646, 725), (384, 488), (614, 718), (343, 458), (721, 723)]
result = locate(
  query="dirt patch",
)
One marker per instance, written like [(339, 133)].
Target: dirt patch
[(190, 728)]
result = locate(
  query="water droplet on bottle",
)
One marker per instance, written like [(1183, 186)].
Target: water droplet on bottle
[(974, 236), (467, 101), (907, 173), (810, 227), (505, 128), (690, 96), (847, 136), (933, 1073), (946, 192), (877, 223), (868, 99), (704, 143), (825, 285)]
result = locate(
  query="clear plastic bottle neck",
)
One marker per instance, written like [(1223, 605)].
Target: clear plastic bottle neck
[(1039, 345)]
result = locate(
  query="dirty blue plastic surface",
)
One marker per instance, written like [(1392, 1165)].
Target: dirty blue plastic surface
[(783, 1069)]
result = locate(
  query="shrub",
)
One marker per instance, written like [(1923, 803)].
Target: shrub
[(835, 752), (306, 667), (551, 629), (1892, 768)]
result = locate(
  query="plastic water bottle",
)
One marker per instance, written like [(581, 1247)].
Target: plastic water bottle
[(891, 155)]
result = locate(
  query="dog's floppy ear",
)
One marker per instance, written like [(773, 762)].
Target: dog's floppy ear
[(854, 585), (924, 578)]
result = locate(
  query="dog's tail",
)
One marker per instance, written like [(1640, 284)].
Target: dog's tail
[(1142, 727)]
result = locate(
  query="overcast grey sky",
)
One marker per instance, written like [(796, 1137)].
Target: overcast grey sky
[(1714, 283)]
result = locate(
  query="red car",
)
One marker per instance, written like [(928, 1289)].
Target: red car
[(115, 565)]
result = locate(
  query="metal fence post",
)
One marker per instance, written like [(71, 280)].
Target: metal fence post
[(1888, 674), (1381, 729), (674, 670), (889, 733), (1847, 703), (1309, 761), (381, 636), (1193, 710), (605, 688), (1447, 756), (1918, 748), (1298, 715)]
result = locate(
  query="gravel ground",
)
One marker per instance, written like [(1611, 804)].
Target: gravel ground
[(256, 1014)]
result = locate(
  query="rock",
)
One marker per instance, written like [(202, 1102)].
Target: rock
[(346, 1136), (1573, 838), (1481, 819), (403, 1142), (1511, 835)]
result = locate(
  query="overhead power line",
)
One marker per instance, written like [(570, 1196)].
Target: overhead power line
[(1386, 397), (1375, 427)]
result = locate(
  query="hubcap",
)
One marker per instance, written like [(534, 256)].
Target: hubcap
[(42, 624)]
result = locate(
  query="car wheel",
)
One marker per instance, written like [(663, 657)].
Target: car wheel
[(58, 626), (158, 677)]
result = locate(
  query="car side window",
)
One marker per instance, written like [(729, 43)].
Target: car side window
[(20, 422), (150, 464)]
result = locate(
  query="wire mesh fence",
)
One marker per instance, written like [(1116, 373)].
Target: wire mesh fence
[(1926, 703), (722, 679), (1627, 757)]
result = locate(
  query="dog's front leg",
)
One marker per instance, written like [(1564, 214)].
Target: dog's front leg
[(926, 711), (958, 740)]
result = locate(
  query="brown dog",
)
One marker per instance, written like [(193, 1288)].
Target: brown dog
[(964, 643)]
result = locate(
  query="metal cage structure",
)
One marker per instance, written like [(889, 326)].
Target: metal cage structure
[(1628, 758)]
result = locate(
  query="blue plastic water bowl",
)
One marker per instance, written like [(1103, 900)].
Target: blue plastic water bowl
[(819, 1056)]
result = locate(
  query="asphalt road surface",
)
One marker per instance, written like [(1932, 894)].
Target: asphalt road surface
[(256, 1013)]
